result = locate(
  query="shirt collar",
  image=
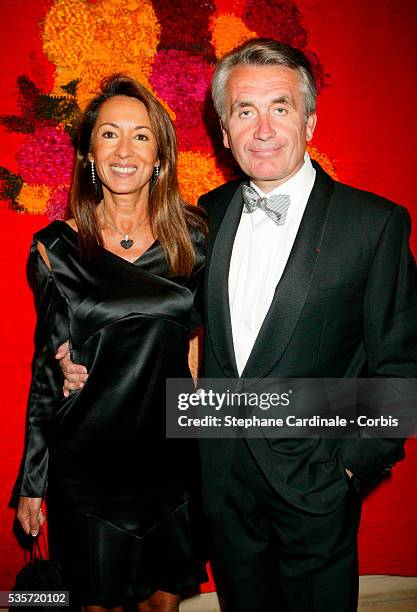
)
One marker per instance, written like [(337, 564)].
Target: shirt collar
[(296, 184)]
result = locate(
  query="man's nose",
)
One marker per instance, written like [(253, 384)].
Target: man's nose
[(264, 129)]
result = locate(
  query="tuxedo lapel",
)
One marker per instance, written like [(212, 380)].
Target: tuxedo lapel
[(218, 310), (291, 292)]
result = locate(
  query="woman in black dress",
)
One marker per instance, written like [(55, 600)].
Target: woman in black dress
[(120, 280)]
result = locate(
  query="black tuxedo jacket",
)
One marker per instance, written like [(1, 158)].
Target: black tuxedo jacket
[(346, 306)]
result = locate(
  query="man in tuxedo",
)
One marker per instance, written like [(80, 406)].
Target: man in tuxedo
[(306, 278), (315, 281)]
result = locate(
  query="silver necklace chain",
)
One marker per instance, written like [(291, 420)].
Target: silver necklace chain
[(127, 242)]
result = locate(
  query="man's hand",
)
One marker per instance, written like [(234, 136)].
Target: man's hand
[(75, 375), (29, 514)]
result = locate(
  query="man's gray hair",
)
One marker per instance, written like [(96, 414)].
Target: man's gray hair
[(264, 52)]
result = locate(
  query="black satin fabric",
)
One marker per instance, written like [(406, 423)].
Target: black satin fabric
[(123, 500)]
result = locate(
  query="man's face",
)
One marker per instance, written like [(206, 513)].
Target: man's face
[(266, 128)]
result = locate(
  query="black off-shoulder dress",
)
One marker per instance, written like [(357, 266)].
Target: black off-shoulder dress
[(123, 501)]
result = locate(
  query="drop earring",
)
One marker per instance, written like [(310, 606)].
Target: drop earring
[(93, 173)]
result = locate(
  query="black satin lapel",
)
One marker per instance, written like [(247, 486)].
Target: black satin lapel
[(218, 310), (291, 292)]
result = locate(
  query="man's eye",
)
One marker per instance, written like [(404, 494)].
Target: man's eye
[(281, 110), (245, 113)]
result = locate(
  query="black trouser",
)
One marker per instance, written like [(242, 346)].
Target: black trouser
[(269, 556)]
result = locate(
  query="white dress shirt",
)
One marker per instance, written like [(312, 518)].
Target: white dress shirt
[(260, 253)]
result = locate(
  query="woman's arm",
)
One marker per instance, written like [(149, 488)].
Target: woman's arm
[(45, 389)]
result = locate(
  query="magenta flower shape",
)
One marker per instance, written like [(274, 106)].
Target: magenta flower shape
[(192, 134), (57, 206), (46, 157), (181, 79)]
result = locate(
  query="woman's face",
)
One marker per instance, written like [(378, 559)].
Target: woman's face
[(124, 147)]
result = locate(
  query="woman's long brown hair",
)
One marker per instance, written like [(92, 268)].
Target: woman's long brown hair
[(170, 217)]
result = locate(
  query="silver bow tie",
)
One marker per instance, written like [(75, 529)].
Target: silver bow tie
[(276, 206)]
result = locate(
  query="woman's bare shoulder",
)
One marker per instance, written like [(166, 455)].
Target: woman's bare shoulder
[(43, 254), (71, 223), (43, 237)]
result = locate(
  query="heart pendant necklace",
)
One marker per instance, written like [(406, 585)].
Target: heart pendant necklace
[(126, 242)]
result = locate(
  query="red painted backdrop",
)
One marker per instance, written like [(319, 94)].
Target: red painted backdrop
[(367, 125)]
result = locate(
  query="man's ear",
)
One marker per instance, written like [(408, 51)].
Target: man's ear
[(225, 135), (311, 126)]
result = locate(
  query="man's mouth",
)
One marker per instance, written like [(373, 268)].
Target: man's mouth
[(266, 152)]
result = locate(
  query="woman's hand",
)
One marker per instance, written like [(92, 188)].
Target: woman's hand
[(29, 514), (74, 375)]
